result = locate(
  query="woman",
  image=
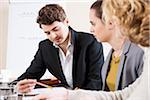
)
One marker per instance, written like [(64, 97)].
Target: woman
[(124, 62), (131, 18)]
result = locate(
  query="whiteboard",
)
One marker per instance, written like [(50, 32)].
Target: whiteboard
[(24, 35)]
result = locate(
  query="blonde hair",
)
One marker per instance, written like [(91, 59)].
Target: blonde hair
[(133, 16)]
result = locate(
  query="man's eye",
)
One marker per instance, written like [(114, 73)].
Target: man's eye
[(48, 33), (93, 24)]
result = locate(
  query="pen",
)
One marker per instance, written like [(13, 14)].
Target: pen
[(44, 85)]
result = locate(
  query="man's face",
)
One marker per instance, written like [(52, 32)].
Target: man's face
[(98, 28), (57, 32)]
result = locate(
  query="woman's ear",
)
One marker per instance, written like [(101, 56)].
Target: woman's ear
[(112, 23)]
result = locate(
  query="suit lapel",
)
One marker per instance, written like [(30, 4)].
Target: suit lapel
[(56, 64), (122, 62), (105, 68), (120, 69), (74, 38)]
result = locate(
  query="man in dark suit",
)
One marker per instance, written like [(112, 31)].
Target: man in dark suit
[(75, 58)]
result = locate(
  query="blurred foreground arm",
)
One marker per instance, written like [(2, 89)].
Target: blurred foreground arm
[(26, 85)]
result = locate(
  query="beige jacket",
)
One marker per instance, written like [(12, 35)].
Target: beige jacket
[(136, 91)]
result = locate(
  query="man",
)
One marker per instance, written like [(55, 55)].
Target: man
[(75, 58)]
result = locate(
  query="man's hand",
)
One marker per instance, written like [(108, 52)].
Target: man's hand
[(26, 85)]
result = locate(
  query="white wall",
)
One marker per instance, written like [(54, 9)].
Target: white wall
[(3, 32)]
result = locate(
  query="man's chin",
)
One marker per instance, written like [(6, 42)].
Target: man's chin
[(58, 43)]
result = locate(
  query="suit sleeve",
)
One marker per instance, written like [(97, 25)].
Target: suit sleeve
[(95, 62), (36, 68)]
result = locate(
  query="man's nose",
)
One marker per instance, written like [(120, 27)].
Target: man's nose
[(53, 34)]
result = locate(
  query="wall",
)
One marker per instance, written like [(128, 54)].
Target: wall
[(3, 31)]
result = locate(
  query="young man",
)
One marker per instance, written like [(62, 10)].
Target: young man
[(75, 58)]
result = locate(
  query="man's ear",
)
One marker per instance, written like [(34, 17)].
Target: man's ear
[(66, 21)]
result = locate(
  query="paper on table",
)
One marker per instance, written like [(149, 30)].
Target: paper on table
[(40, 91), (44, 90)]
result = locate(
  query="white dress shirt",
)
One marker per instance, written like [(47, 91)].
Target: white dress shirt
[(66, 62)]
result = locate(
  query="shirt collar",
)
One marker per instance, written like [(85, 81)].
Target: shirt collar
[(68, 45)]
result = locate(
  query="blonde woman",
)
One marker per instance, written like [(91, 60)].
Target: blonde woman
[(132, 18), (124, 63)]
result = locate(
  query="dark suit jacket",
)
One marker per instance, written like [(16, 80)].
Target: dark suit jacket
[(87, 62), (130, 66)]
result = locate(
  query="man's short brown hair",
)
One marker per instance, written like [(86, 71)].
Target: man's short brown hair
[(51, 13)]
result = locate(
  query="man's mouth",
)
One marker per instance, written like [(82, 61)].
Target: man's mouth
[(57, 39)]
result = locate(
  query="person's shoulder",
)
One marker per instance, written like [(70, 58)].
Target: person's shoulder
[(81, 34), (45, 42), (86, 37), (136, 47), (135, 50)]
